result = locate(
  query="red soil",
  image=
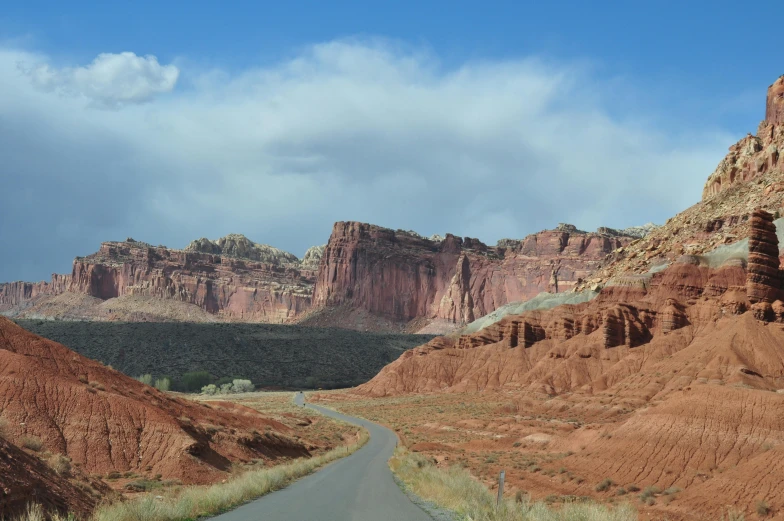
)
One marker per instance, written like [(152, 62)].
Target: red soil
[(25, 478), (107, 422)]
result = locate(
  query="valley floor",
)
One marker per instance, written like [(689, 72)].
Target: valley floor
[(551, 449)]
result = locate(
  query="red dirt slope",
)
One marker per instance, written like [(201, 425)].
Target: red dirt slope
[(25, 479), (105, 421)]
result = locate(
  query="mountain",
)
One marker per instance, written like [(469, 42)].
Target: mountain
[(366, 277)]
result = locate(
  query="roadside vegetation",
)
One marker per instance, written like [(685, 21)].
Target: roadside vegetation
[(193, 502), (456, 490)]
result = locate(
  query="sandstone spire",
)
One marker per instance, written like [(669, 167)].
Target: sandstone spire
[(763, 276)]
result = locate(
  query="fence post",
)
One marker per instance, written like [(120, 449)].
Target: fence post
[(500, 488)]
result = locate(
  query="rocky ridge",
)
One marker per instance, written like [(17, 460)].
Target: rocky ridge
[(750, 177)]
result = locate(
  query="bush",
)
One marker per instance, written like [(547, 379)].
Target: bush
[(60, 464), (31, 442), (193, 381), (163, 384), (146, 379), (237, 386), (243, 386), (604, 485), (762, 508)]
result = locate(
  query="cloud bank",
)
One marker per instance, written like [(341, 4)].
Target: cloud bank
[(341, 131)]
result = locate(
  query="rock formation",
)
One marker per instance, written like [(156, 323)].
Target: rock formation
[(19, 293), (520, 350), (405, 276), (763, 282), (237, 245), (753, 156), (774, 108)]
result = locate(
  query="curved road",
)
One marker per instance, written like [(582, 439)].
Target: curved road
[(356, 488)]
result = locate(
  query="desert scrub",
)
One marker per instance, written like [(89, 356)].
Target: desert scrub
[(456, 490), (31, 442)]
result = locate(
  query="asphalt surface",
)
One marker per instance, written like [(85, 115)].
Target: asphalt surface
[(359, 487)]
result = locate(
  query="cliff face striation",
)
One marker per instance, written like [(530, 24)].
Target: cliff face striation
[(405, 277), (234, 280), (753, 156)]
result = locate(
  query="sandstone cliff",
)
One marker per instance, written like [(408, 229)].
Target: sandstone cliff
[(753, 156), (230, 286), (404, 276)]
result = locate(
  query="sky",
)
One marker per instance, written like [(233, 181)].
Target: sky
[(170, 121)]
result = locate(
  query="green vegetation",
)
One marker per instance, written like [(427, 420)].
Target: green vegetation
[(236, 386), (193, 381), (146, 379), (455, 489), (195, 355)]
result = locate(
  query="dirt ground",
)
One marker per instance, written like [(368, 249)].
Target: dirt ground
[(552, 448)]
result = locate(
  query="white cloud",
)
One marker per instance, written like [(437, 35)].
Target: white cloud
[(110, 80), (343, 131)]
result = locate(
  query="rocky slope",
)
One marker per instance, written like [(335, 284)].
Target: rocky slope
[(25, 478), (406, 277), (655, 355), (751, 176), (107, 422)]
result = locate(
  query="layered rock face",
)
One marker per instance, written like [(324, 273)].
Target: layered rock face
[(753, 156), (18, 293), (572, 346), (221, 283), (763, 281), (774, 109), (404, 276)]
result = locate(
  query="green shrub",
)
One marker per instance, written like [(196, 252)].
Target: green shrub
[(163, 384), (146, 379), (193, 381)]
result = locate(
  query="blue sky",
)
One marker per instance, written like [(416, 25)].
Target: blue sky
[(488, 121)]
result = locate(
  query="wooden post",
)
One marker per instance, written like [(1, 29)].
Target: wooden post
[(500, 488)]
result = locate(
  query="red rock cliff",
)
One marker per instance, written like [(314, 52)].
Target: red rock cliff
[(235, 288), (404, 276), (18, 293), (753, 156), (774, 109)]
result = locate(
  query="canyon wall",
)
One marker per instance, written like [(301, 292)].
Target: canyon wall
[(234, 288), (18, 293), (404, 276)]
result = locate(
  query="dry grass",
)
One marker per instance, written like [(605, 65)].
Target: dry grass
[(455, 489), (60, 464), (31, 442), (195, 502)]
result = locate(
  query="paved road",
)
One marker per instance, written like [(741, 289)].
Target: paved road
[(356, 488)]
